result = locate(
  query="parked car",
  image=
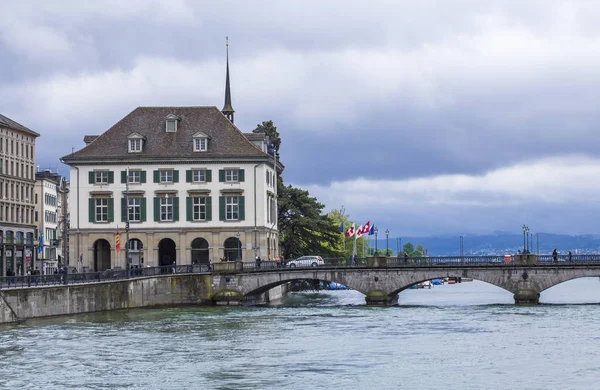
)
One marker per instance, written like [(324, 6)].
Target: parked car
[(306, 261)]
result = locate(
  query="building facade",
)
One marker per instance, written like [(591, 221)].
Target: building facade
[(51, 218), (171, 185), (17, 207)]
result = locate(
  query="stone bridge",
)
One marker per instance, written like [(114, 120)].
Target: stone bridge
[(382, 285)]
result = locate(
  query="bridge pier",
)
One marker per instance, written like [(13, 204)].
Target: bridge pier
[(526, 297), (380, 298)]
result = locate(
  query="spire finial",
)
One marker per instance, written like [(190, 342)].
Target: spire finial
[(227, 109)]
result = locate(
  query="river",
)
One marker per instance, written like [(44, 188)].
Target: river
[(467, 336)]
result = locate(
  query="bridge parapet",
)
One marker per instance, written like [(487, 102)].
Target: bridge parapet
[(228, 267)]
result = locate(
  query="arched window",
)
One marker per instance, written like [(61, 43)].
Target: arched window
[(200, 251), (233, 249)]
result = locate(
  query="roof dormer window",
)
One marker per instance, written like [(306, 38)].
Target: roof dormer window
[(135, 143), (200, 142), (171, 123)]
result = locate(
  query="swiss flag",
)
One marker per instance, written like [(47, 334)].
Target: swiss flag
[(351, 231), (365, 228)]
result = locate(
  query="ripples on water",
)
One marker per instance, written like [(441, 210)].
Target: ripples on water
[(467, 336)]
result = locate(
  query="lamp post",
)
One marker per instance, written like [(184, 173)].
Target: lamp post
[(376, 230), (525, 231), (387, 246), (239, 245)]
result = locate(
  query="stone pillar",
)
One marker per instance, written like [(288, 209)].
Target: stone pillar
[(526, 297), (526, 259), (377, 262), (380, 298)]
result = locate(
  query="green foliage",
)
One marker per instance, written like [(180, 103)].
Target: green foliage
[(408, 248), (270, 130), (303, 229)]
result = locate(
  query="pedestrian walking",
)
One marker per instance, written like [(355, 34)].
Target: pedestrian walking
[(554, 256), (257, 262), (173, 268), (405, 258), (570, 256)]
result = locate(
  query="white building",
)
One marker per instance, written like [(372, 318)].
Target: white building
[(17, 227), (189, 183), (50, 217)]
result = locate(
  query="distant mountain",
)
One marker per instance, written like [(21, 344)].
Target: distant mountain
[(501, 243)]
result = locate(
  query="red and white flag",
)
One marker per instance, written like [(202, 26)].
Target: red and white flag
[(364, 229), (351, 231)]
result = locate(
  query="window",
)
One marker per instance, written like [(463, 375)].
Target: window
[(135, 145), (172, 125), (199, 175), (135, 213), (200, 144), (166, 209), (231, 175), (232, 208), (101, 177), (101, 209), (166, 176), (134, 177), (199, 208)]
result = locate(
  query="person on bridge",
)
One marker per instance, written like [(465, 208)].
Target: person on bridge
[(570, 256), (405, 258), (554, 256), (257, 262)]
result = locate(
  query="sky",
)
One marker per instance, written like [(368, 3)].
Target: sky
[(426, 118)]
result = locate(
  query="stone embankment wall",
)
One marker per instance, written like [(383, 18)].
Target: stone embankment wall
[(22, 303)]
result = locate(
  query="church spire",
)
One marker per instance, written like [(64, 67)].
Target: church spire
[(227, 109)]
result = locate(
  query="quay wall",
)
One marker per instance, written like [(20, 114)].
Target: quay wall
[(20, 304)]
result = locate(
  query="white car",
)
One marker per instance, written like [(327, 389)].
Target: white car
[(306, 261)]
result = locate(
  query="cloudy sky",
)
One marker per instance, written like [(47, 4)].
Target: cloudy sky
[(429, 117)]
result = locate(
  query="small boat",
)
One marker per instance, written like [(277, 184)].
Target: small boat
[(451, 280), (425, 284)]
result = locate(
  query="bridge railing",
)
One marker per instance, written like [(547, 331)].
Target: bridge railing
[(95, 277)]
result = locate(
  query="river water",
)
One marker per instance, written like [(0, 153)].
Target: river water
[(467, 336)]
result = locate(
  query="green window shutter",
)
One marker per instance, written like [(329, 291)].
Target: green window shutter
[(156, 208), (123, 177), (221, 208), (92, 177), (188, 176), (242, 208), (221, 175), (111, 209), (208, 208), (241, 175), (123, 210), (111, 177), (92, 204), (208, 175), (176, 209), (156, 176), (142, 176), (143, 210), (188, 205), (176, 176)]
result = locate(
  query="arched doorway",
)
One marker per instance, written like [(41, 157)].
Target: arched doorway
[(233, 249), (199, 251), (101, 255), (136, 256), (166, 252)]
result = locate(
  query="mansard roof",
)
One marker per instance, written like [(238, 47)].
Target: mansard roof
[(226, 140), (9, 123)]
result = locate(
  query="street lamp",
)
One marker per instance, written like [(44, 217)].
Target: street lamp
[(525, 233), (376, 230), (239, 245), (387, 246)]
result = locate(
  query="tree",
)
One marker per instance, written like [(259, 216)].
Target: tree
[(270, 130), (408, 248), (303, 229)]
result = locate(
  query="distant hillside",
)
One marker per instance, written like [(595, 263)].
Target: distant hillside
[(501, 243)]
